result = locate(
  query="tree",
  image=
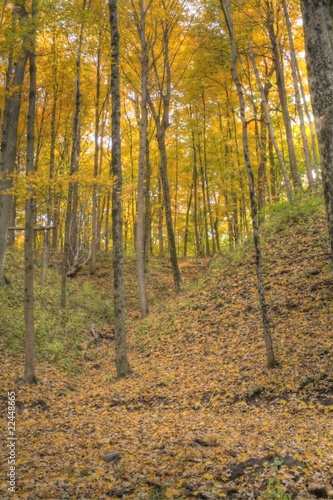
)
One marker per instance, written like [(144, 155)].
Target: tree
[(254, 212), (122, 364), (318, 25), (161, 115), (143, 122), (14, 80), (30, 337)]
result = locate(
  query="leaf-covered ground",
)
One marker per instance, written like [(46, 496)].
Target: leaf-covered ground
[(201, 416)]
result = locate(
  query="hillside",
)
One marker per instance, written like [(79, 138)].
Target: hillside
[(201, 416)]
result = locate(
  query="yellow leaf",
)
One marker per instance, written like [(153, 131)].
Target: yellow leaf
[(208, 475), (171, 493)]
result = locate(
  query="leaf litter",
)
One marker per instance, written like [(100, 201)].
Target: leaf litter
[(201, 416)]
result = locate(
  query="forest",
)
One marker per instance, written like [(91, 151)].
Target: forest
[(166, 249)]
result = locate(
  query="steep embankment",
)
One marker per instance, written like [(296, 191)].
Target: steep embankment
[(201, 416)]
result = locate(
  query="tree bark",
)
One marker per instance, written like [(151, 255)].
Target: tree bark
[(95, 213), (71, 228), (30, 338), (318, 24), (254, 213), (14, 80), (283, 96), (293, 64), (122, 364), (270, 128), (141, 226)]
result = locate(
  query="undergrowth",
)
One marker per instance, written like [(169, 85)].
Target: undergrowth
[(285, 215), (59, 332)]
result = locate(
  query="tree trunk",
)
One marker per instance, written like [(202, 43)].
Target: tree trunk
[(71, 223), (141, 226), (254, 214), (95, 213), (167, 207), (14, 80), (283, 96), (293, 64), (270, 127), (30, 338), (122, 364), (318, 24), (160, 219), (195, 196), (148, 242), (186, 232), (316, 162)]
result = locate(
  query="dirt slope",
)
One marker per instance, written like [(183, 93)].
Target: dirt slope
[(201, 416)]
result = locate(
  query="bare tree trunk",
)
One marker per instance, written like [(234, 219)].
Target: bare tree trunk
[(209, 208), (318, 24), (14, 80), (30, 338), (160, 219), (148, 243), (270, 128), (186, 232), (282, 94), (71, 224), (293, 64), (262, 177), (96, 164), (195, 196), (161, 118), (167, 207), (316, 162), (203, 190), (12, 219), (122, 364), (254, 214), (141, 226)]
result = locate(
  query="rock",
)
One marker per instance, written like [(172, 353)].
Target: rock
[(120, 492), (318, 490), (112, 456)]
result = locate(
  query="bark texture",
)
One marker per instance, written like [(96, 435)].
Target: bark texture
[(14, 80), (30, 337), (141, 226), (254, 212), (317, 23), (122, 364)]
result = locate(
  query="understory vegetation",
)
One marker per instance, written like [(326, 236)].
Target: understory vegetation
[(200, 416)]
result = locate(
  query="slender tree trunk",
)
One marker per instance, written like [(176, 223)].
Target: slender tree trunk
[(167, 207), (293, 64), (195, 196), (318, 25), (160, 219), (209, 208), (262, 178), (141, 226), (14, 80), (71, 223), (30, 338), (122, 364), (186, 232), (148, 249), (203, 190), (161, 119), (270, 128), (12, 220), (316, 162), (95, 213), (254, 214), (282, 94)]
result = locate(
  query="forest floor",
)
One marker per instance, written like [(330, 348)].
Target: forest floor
[(201, 416)]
